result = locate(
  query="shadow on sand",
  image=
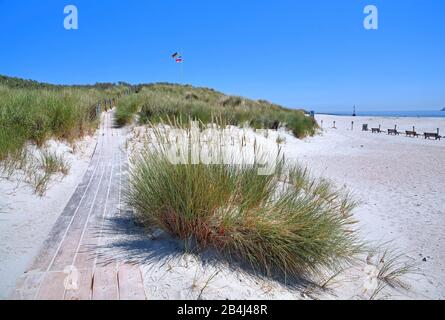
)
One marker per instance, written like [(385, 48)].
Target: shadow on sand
[(130, 243)]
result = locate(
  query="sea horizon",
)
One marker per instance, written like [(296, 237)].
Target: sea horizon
[(406, 114)]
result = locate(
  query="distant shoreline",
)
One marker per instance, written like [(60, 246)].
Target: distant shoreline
[(392, 114)]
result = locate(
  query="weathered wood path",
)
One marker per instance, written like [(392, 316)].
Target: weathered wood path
[(71, 264)]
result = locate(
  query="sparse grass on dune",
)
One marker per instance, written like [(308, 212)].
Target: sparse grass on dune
[(52, 163), (392, 270), (157, 102), (36, 168), (47, 165), (285, 223)]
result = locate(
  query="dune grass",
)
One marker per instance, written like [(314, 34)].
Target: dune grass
[(154, 103), (52, 163), (45, 167), (37, 115), (128, 106), (35, 167), (32, 113), (393, 269), (285, 223)]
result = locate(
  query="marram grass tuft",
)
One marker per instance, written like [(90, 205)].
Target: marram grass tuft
[(286, 223)]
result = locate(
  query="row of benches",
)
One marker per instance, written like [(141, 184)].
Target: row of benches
[(408, 133)]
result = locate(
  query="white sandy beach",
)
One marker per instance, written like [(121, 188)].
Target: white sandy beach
[(399, 181)]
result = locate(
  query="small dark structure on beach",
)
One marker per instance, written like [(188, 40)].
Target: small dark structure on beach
[(394, 131), (413, 133), (377, 130), (435, 136)]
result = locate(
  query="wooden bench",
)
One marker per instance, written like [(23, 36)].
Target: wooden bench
[(393, 131), (376, 130), (429, 135), (413, 134)]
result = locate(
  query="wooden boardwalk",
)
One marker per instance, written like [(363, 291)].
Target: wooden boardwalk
[(72, 264)]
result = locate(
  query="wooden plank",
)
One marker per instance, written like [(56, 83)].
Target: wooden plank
[(86, 255), (105, 285), (70, 244), (59, 231), (53, 286), (94, 230), (84, 291), (107, 232), (81, 189), (51, 244), (74, 227), (16, 294), (49, 247), (28, 286), (131, 286)]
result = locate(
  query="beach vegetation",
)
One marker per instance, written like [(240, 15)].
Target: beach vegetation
[(286, 223), (157, 102), (392, 269)]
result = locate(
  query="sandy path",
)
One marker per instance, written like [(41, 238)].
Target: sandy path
[(72, 264)]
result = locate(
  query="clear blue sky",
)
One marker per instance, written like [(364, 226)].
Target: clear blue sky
[(312, 53)]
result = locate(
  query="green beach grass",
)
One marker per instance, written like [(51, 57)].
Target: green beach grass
[(157, 102), (35, 112), (286, 223), (31, 113), (37, 115)]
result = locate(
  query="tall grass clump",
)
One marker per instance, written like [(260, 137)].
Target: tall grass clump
[(156, 102), (36, 115), (286, 223), (128, 106)]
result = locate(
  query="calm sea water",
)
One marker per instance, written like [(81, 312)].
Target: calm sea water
[(421, 114)]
